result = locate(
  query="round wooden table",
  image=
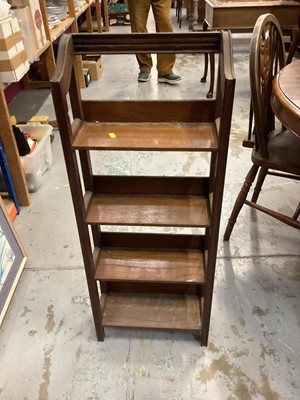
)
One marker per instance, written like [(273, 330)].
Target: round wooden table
[(285, 99)]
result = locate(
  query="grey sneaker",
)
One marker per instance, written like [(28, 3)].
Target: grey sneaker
[(144, 76), (172, 79)]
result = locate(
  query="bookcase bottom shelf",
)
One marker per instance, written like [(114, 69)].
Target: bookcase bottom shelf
[(153, 311)]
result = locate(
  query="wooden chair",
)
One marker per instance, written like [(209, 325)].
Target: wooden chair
[(249, 140), (276, 152)]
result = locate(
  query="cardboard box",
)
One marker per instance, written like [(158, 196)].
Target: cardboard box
[(38, 23), (10, 41), (30, 18), (94, 64), (13, 59), (14, 69), (18, 3), (8, 26), (27, 31), (11, 46)]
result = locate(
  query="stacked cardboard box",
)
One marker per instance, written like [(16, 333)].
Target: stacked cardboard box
[(32, 26), (95, 65), (13, 59)]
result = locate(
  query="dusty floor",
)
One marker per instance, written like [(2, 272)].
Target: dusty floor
[(47, 341)]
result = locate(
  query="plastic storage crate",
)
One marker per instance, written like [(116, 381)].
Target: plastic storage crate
[(40, 159)]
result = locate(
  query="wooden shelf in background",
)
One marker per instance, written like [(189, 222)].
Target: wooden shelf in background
[(58, 30)]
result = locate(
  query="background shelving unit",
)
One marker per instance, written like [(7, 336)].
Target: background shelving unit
[(12, 153), (46, 52), (101, 22), (52, 35)]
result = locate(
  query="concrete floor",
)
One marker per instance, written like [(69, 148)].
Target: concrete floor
[(47, 340)]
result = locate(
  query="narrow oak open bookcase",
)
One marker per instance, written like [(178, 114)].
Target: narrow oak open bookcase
[(146, 280)]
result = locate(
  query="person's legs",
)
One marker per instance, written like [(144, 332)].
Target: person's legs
[(139, 10), (162, 15)]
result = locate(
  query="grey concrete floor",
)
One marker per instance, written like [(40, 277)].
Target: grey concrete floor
[(47, 340)]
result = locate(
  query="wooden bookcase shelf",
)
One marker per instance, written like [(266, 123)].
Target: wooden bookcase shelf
[(178, 312), (150, 136), (140, 279)]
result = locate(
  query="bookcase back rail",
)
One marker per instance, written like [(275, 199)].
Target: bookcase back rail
[(157, 185), (180, 43), (136, 287), (149, 111), (151, 240)]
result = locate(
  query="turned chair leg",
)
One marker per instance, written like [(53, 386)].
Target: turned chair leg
[(260, 180), (210, 92), (297, 212), (240, 200), (204, 77), (211, 59)]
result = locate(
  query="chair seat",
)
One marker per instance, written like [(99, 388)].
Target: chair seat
[(284, 153)]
